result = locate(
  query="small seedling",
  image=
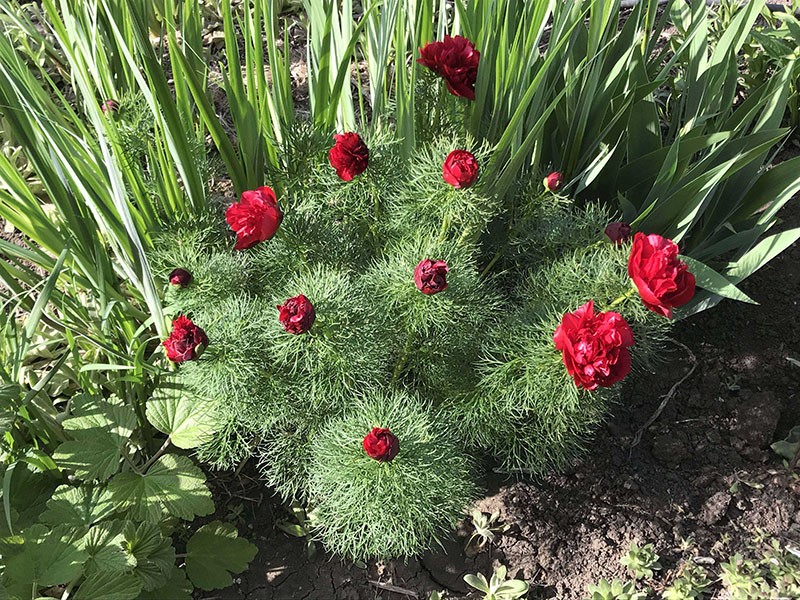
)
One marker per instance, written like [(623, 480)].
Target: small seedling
[(302, 528), (691, 584), (742, 579), (486, 531), (498, 588), (616, 590), (641, 561)]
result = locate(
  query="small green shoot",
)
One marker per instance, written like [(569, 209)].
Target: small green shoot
[(641, 561), (498, 588)]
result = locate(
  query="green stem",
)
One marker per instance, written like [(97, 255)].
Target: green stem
[(622, 298), (401, 363), (444, 228), (157, 455), (498, 255)]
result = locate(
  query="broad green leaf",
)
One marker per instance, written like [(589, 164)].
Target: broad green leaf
[(25, 494), (214, 552), (109, 585), (177, 588), (48, 557), (188, 421), (90, 415), (83, 505), (173, 485), (152, 552), (100, 429), (96, 458), (708, 279), (106, 547), (789, 446)]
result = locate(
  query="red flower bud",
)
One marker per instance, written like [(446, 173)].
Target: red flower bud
[(186, 342), (381, 444), (109, 106), (618, 232), (297, 314), (460, 169), (663, 281), (180, 277), (430, 276), (594, 347), (456, 60), (255, 218), (349, 155), (553, 181)]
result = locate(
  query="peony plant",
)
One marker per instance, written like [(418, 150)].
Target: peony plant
[(401, 351)]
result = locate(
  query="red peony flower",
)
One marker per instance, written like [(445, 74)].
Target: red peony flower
[(349, 155), (430, 276), (381, 444), (455, 59), (553, 181), (618, 232), (594, 347), (663, 281), (109, 106), (460, 169), (186, 342), (180, 277), (255, 218), (297, 314)]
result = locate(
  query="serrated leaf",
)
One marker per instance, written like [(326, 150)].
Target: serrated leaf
[(152, 552), (214, 552), (106, 547), (109, 585), (48, 557), (27, 496), (90, 415), (177, 588), (173, 484), (83, 505), (188, 421), (96, 458), (100, 428)]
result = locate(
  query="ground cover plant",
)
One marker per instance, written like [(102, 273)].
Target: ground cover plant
[(456, 260)]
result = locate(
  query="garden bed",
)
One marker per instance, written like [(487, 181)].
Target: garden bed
[(682, 461), (702, 475)]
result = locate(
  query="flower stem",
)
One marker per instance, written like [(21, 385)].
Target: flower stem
[(622, 298), (498, 255), (401, 363), (444, 228)]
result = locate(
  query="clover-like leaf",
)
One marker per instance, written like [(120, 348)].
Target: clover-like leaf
[(109, 585), (214, 552), (151, 551), (187, 420), (85, 505), (173, 484)]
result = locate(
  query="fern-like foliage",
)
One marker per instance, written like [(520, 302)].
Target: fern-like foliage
[(473, 366)]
